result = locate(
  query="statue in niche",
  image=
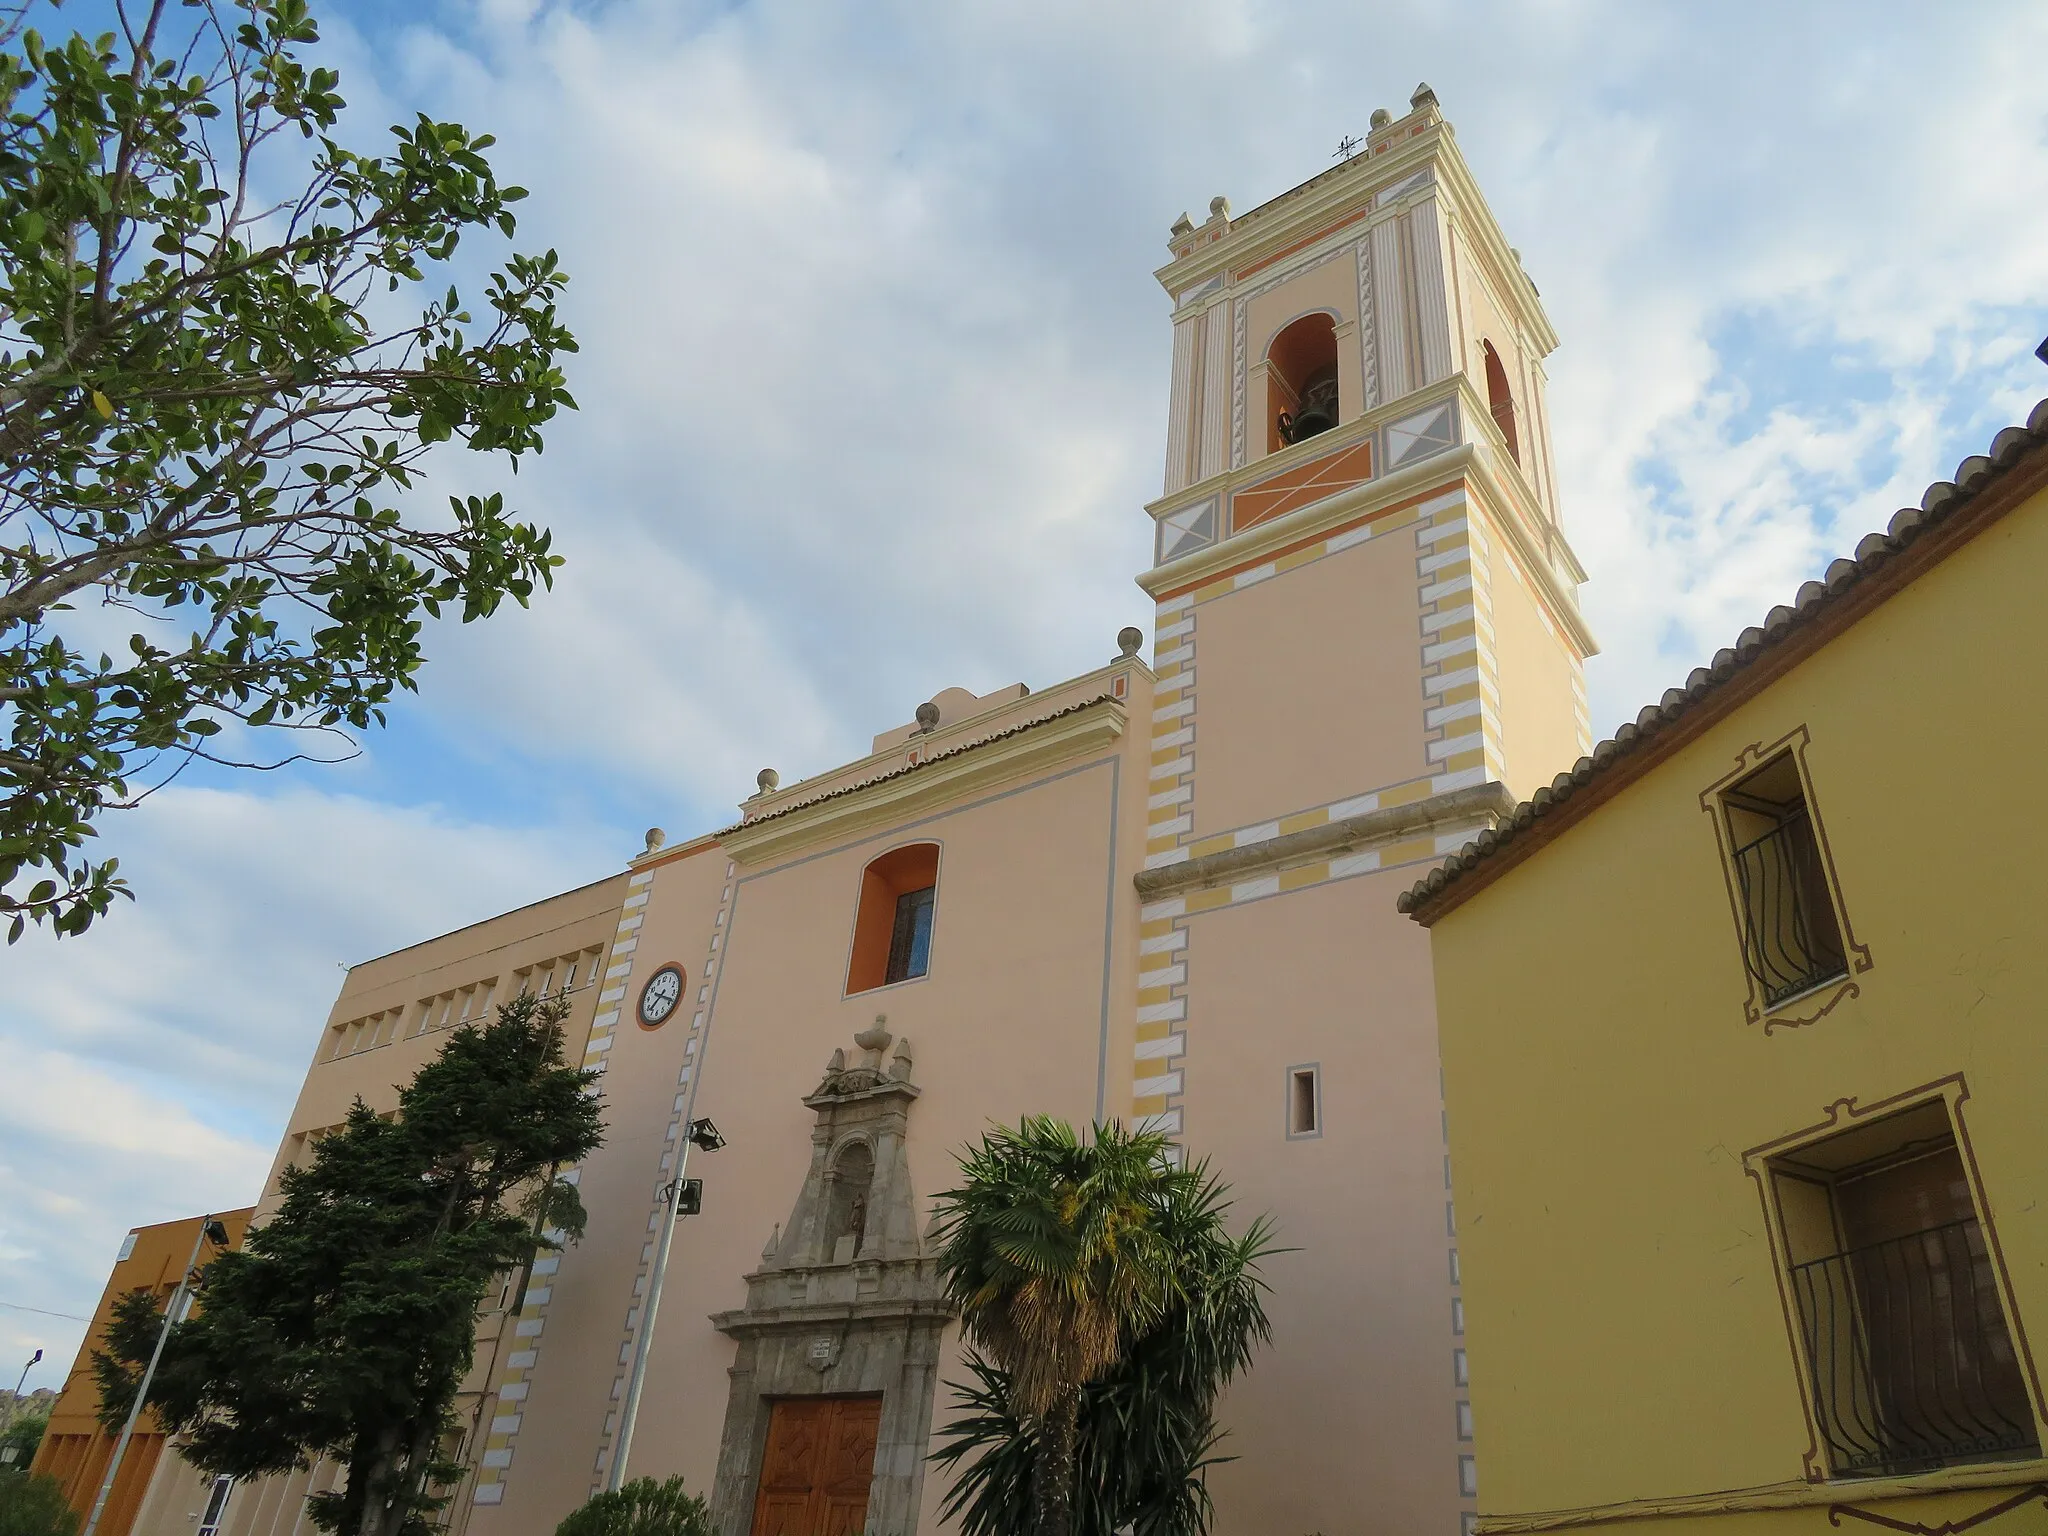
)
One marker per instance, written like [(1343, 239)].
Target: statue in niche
[(846, 1219), (850, 1269)]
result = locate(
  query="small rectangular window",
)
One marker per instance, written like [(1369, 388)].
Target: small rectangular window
[(1791, 940), (1305, 1101), (910, 946)]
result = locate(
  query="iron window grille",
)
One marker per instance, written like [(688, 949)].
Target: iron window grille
[(1912, 1365), (1790, 941)]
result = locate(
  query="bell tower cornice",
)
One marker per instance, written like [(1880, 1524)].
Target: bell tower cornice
[(1378, 183)]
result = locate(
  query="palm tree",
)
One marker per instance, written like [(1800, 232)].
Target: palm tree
[(1147, 1430), (1055, 1255)]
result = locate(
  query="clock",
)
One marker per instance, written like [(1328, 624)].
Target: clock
[(659, 997)]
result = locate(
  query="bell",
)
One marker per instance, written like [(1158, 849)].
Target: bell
[(1318, 412)]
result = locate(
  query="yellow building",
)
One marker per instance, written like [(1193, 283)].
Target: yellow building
[(75, 1448), (1744, 1049)]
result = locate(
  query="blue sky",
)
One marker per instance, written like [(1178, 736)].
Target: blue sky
[(873, 384)]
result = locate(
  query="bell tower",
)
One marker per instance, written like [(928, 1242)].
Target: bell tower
[(1368, 647)]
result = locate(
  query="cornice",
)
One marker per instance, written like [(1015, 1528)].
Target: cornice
[(1079, 729), (1303, 522), (1481, 803), (1484, 231), (1259, 233)]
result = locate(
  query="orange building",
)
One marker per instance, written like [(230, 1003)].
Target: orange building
[(76, 1448)]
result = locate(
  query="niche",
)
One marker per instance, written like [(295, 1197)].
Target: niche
[(846, 1211)]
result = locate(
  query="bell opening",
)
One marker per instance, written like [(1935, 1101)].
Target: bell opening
[(1301, 381)]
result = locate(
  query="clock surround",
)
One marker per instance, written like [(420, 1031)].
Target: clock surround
[(661, 997)]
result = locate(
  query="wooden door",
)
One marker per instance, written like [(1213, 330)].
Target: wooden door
[(818, 1465)]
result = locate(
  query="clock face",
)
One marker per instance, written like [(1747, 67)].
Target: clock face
[(659, 997)]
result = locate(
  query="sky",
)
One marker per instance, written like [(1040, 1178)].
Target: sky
[(873, 387)]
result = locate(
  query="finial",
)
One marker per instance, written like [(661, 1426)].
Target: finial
[(875, 1038), (655, 838), (1219, 208), (767, 779), (1128, 639), (927, 717), (1181, 226), (1423, 97), (1381, 117)]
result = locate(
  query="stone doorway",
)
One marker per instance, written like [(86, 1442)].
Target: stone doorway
[(847, 1307), (817, 1467)]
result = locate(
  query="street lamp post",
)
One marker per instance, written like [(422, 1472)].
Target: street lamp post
[(700, 1133), (210, 1230), (14, 1402)]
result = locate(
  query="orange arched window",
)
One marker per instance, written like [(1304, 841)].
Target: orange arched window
[(1301, 381), (892, 932), (1501, 401)]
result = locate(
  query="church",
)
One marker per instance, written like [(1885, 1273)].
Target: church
[(1160, 893)]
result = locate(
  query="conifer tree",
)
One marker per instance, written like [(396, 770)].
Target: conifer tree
[(345, 1326)]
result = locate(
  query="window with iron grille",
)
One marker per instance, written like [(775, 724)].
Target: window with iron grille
[(1909, 1356), (1791, 935)]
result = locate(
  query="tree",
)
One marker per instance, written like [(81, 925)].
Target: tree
[(345, 1326), (1055, 1254), (1147, 1428), (32, 1505), (643, 1507), (25, 1435), (225, 347)]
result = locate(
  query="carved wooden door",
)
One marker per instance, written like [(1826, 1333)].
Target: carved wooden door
[(818, 1465)]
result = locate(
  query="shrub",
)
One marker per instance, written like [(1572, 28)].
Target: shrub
[(34, 1506), (643, 1507)]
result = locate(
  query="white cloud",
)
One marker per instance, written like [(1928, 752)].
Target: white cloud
[(150, 1064)]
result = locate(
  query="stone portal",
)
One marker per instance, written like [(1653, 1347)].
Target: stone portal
[(846, 1306)]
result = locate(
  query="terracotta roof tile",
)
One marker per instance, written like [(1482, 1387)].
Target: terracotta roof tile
[(936, 757), (1943, 500)]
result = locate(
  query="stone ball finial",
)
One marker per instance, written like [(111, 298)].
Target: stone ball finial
[(1128, 639), (927, 717), (1182, 226), (1381, 117), (1219, 207), (655, 838), (1423, 97), (767, 779)]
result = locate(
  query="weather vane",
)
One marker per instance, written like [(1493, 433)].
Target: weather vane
[(1346, 147)]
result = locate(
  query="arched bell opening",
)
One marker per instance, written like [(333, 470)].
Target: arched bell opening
[(1301, 381), (1500, 401)]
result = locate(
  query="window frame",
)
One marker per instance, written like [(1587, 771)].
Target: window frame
[(1313, 1071), (859, 940), (1811, 1004), (1767, 1163)]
